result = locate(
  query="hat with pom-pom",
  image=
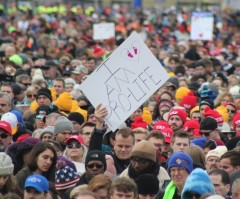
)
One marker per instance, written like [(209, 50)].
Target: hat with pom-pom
[(189, 101), (214, 114), (64, 102), (138, 122)]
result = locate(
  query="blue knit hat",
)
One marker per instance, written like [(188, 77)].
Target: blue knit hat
[(197, 182), (181, 160)]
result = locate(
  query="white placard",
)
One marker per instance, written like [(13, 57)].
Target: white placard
[(125, 80), (202, 26), (103, 31)]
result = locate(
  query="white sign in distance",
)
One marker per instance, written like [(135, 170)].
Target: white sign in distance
[(103, 31)]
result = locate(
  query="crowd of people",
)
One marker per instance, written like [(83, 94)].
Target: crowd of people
[(183, 142)]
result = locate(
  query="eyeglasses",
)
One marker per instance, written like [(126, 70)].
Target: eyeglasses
[(30, 96), (76, 145), (91, 166), (140, 161), (4, 135), (231, 111)]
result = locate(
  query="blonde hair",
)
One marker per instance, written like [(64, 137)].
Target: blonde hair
[(79, 189), (99, 182), (141, 130), (219, 98)]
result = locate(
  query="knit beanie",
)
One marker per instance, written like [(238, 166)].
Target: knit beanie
[(193, 110), (197, 182), (189, 101), (217, 152), (207, 102), (222, 110), (6, 165), (53, 94), (76, 117), (75, 106), (181, 160), (65, 178), (147, 184), (214, 114), (62, 124), (236, 121), (63, 161), (165, 102), (191, 124), (44, 91), (147, 116), (64, 102), (199, 142), (96, 155), (48, 129), (180, 92), (182, 114), (144, 149), (160, 125), (138, 122)]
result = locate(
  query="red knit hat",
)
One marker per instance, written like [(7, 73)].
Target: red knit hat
[(208, 112), (160, 125), (167, 132), (191, 124), (189, 101), (182, 114), (138, 122), (236, 121)]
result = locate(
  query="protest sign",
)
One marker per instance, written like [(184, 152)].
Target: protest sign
[(201, 26), (103, 31), (124, 81)]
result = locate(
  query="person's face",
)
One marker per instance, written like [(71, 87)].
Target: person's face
[(178, 175), (238, 128), (5, 140), (158, 143), (25, 83), (231, 112), (51, 73), (86, 134), (44, 160), (175, 122), (235, 191), (4, 106), (69, 87), (123, 146), (91, 65), (94, 167), (43, 101), (58, 87), (102, 193), (31, 193), (209, 134), (139, 137), (180, 144), (137, 113), (122, 195), (140, 164), (226, 165), (225, 99), (92, 118), (47, 136), (212, 163), (32, 96), (219, 187), (75, 149), (62, 136), (163, 109), (8, 90), (149, 196), (3, 180), (196, 116), (76, 126), (200, 70), (202, 108), (40, 121)]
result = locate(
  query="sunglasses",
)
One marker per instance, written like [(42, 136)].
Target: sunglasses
[(206, 133), (4, 135), (77, 145), (29, 96), (91, 166), (231, 111)]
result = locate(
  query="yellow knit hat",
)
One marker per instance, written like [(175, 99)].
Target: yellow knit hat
[(53, 93), (180, 92), (195, 109), (64, 102), (147, 117), (222, 110), (75, 106), (33, 106)]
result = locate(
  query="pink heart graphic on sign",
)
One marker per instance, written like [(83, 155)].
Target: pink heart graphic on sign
[(133, 52)]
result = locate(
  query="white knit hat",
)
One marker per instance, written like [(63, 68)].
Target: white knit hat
[(6, 165)]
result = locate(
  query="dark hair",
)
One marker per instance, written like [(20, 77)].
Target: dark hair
[(180, 134), (125, 132), (32, 162), (156, 134), (211, 144), (60, 80), (233, 156), (91, 124), (156, 112), (225, 176)]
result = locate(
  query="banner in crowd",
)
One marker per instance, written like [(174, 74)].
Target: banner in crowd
[(123, 82), (201, 26), (103, 31)]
